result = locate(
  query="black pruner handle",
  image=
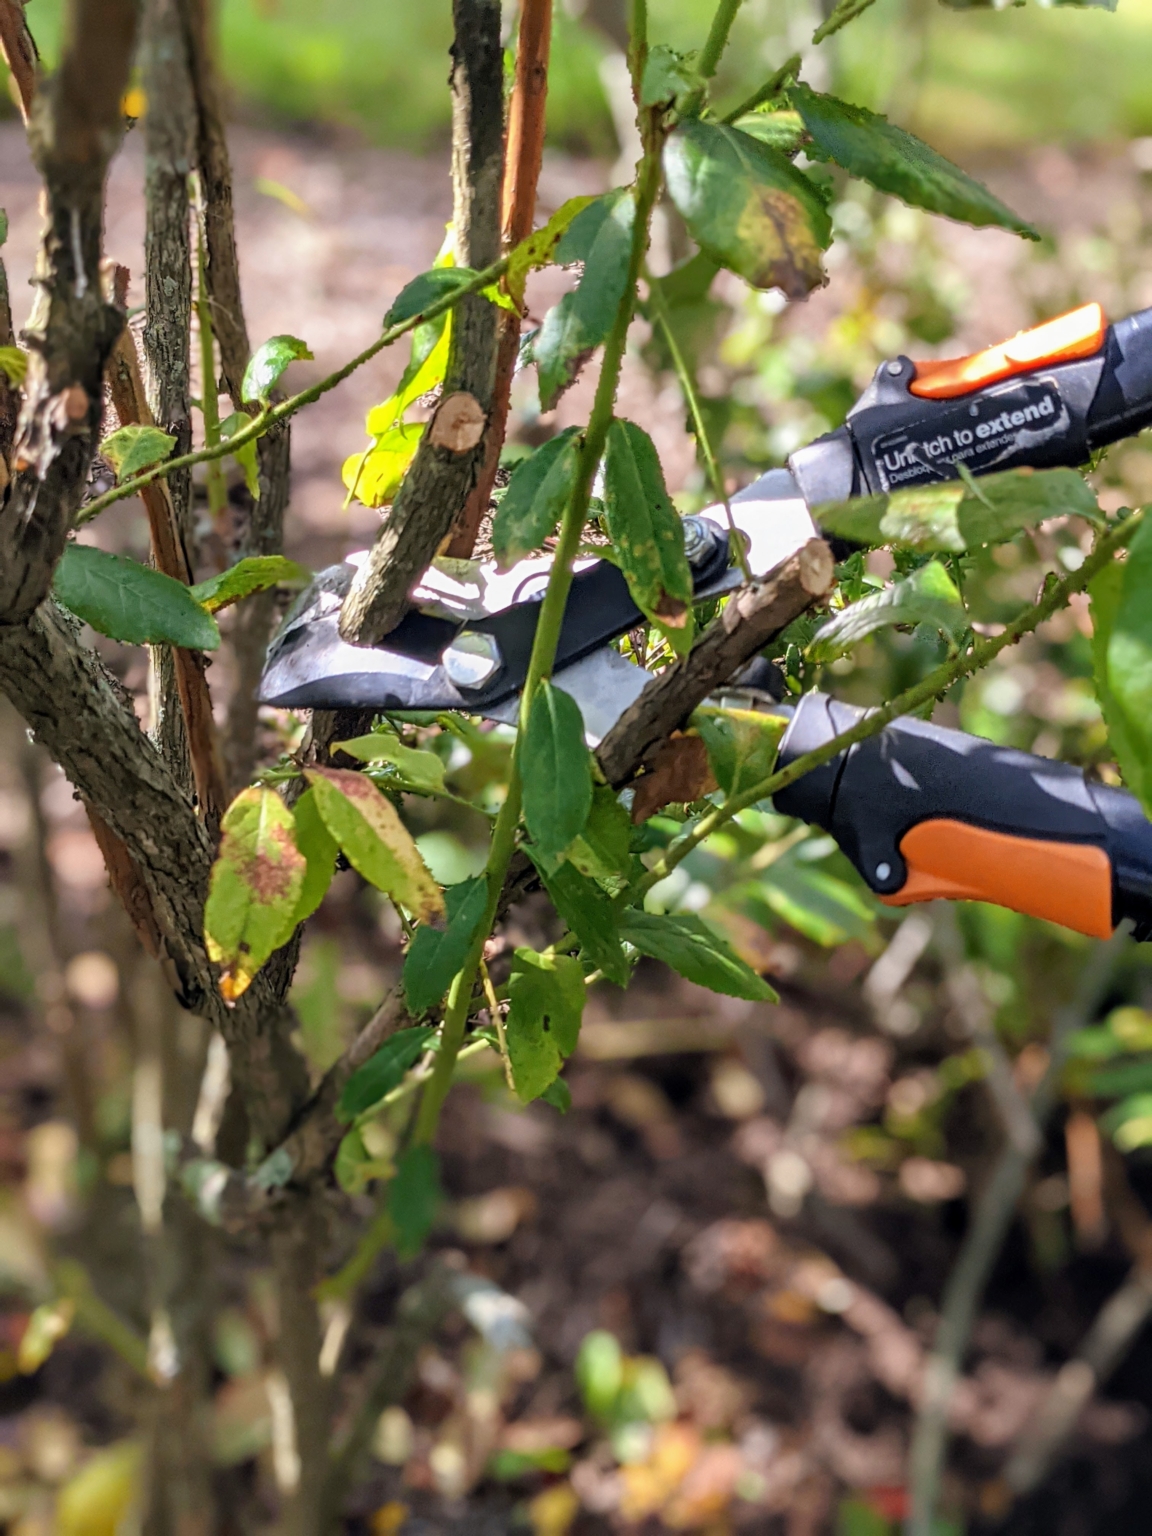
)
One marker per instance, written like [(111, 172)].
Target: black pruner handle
[(924, 812), (1047, 397)]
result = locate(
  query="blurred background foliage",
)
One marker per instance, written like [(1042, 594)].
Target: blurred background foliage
[(967, 79), (750, 1212)]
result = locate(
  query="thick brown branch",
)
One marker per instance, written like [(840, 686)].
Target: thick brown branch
[(447, 462), (748, 621), (216, 180), (162, 853), (76, 126)]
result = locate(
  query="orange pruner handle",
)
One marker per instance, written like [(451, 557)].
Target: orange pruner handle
[(1079, 333)]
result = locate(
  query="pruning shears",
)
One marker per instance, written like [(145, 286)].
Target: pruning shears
[(921, 811)]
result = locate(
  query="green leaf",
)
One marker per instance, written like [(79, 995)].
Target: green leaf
[(538, 249), (742, 744), (1128, 676), (1130, 1122), (667, 75), (131, 602), (546, 1004), (817, 904), (14, 363), (375, 841), (783, 131), (255, 574), (131, 449), (1106, 592), (600, 1371), (1130, 1077), (424, 291), (647, 533), (424, 771), (927, 596), (954, 516), (582, 905), (267, 364), (872, 148), (255, 887), (318, 846), (555, 770), (413, 1198), (436, 954), (374, 475), (535, 498), (603, 850), (748, 206), (246, 455), (355, 1167), (558, 1094), (382, 1072), (600, 236), (696, 951)]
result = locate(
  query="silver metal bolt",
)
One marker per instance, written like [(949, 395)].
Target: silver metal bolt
[(699, 539), (895, 367), (883, 871), (472, 659)]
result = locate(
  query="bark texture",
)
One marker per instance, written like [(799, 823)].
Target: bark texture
[(440, 479), (75, 128), (748, 621)]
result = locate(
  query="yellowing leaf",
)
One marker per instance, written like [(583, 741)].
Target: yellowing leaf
[(14, 364), (255, 887), (424, 372), (538, 248), (741, 743), (375, 841), (374, 476), (133, 448), (97, 1501), (48, 1324)]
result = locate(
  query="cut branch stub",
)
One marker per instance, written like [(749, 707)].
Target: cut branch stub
[(442, 474)]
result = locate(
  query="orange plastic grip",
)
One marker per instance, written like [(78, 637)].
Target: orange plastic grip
[(1066, 883), (1079, 333)]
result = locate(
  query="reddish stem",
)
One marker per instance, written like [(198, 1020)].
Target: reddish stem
[(523, 154)]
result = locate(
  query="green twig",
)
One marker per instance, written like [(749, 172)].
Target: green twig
[(659, 309), (717, 39), (846, 11), (551, 613), (768, 91), (98, 1320), (982, 652), (637, 44), (270, 415)]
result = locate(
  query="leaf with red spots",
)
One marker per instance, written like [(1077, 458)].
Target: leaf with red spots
[(255, 887), (375, 841)]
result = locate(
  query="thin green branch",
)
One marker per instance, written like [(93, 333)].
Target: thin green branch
[(280, 412), (846, 11), (1056, 595), (769, 90), (548, 625), (659, 308), (717, 39), (637, 44)]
